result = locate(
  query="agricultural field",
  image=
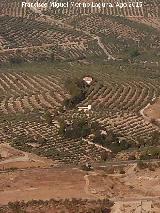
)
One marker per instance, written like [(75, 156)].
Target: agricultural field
[(32, 112), (31, 34), (32, 105), (68, 144)]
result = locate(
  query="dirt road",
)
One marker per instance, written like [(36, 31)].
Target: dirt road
[(62, 24)]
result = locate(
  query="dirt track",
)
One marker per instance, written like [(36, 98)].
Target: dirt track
[(60, 23)]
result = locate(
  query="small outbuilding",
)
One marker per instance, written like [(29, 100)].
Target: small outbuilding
[(88, 79)]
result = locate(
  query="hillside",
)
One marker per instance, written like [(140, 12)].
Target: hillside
[(36, 34), (68, 142)]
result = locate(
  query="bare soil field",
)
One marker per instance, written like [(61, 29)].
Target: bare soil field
[(12, 158), (153, 111), (42, 184), (133, 187), (46, 143)]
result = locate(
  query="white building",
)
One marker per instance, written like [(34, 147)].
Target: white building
[(85, 109), (88, 80)]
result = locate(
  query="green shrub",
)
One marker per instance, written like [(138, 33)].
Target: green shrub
[(77, 88), (76, 129), (150, 153), (111, 141), (16, 59), (134, 53)]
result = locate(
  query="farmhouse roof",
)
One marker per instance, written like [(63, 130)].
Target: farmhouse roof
[(88, 79)]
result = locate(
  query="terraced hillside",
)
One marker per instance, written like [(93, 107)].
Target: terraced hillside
[(72, 33), (78, 86), (13, 8), (110, 44), (26, 92), (119, 36), (33, 40), (31, 105), (140, 8)]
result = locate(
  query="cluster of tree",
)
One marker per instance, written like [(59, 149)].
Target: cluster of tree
[(152, 166), (22, 139), (111, 141), (24, 142), (16, 59), (77, 89), (131, 54), (150, 153), (20, 58), (78, 128), (134, 53), (154, 140), (47, 116), (105, 155), (81, 128), (61, 205)]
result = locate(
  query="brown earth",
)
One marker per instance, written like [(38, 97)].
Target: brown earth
[(41, 184), (61, 183), (153, 111), (38, 178), (11, 158)]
